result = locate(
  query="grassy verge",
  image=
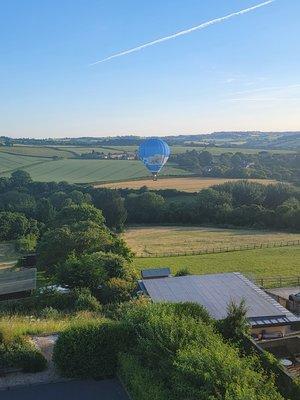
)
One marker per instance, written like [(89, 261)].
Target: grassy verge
[(15, 326)]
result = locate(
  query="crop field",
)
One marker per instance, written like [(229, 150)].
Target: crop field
[(160, 240), (39, 162), (109, 149), (213, 150), (88, 171), (220, 150), (10, 162), (185, 184), (271, 262), (37, 151)]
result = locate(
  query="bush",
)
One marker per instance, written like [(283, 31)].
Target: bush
[(50, 312), (140, 382), (117, 290), (183, 272), (47, 299), (85, 301), (26, 244), (190, 360), (21, 354), (91, 350), (235, 326)]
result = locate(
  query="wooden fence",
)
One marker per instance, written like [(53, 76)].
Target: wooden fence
[(223, 249), (278, 281)]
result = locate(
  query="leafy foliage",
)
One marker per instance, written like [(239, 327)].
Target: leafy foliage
[(91, 350), (21, 354)]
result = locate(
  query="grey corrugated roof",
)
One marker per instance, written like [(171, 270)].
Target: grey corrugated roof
[(13, 281), (215, 291), (156, 273)]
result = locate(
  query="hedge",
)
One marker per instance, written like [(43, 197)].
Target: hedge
[(21, 354), (75, 300), (140, 382), (91, 350)]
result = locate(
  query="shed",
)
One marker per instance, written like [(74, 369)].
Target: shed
[(17, 283)]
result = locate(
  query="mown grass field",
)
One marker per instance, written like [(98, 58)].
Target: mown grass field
[(271, 262), (186, 184), (179, 239)]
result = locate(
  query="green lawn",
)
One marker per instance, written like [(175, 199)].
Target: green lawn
[(283, 261)]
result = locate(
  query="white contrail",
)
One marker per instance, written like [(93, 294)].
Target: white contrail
[(185, 32)]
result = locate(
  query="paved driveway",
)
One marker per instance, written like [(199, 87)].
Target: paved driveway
[(75, 390)]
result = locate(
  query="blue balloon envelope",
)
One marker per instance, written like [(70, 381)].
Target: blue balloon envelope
[(154, 153)]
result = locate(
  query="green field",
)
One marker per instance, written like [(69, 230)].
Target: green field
[(88, 171), (162, 240), (75, 151), (39, 162), (220, 150), (9, 162), (38, 151), (254, 263)]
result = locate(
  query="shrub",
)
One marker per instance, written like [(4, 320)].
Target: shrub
[(117, 290), (216, 371), (21, 354), (183, 272), (85, 301), (50, 312), (26, 244), (51, 299), (235, 325), (190, 359), (84, 271), (91, 350), (140, 381)]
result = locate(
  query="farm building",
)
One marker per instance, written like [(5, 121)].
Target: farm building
[(17, 283), (266, 316)]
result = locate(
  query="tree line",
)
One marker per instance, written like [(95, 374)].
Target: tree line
[(32, 210), (281, 167), (241, 204)]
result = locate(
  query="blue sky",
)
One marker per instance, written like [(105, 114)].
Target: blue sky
[(242, 74)]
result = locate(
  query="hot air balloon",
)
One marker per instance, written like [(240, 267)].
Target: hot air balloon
[(154, 153)]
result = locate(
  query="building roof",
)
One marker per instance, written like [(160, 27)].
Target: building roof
[(215, 291), (14, 281), (155, 273)]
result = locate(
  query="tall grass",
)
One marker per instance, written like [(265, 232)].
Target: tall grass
[(15, 326)]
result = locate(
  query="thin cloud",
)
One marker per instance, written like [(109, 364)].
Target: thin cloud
[(268, 89), (185, 32), (255, 99)]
